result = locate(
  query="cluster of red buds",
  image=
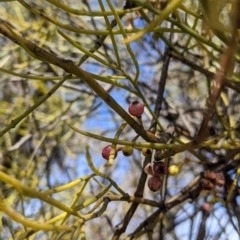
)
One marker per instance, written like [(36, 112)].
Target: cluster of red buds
[(158, 170), (212, 179), (136, 109)]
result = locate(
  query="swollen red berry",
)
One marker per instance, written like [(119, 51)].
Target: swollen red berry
[(159, 169), (106, 152), (154, 184), (136, 109)]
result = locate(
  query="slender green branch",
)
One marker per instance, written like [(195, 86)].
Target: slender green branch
[(171, 6), (97, 172), (30, 192), (71, 68), (91, 14), (31, 224)]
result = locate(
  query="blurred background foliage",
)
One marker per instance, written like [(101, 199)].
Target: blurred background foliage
[(43, 153)]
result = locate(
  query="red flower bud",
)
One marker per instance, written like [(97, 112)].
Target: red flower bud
[(106, 152), (136, 109)]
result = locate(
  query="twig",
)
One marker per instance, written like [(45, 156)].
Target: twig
[(192, 191), (120, 228), (204, 71), (132, 199), (202, 228), (219, 81), (18, 144), (71, 68), (161, 87)]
